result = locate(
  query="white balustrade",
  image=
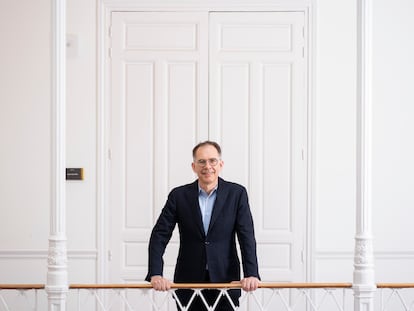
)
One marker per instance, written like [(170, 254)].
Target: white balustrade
[(269, 297)]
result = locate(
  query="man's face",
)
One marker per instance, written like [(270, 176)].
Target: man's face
[(207, 165)]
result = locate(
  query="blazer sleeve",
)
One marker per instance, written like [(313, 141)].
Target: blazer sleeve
[(246, 237), (160, 236)]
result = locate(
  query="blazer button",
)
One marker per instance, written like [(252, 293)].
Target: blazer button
[(206, 243)]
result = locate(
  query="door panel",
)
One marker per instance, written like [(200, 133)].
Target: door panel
[(258, 114), (158, 112)]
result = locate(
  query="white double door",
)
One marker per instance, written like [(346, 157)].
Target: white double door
[(178, 78)]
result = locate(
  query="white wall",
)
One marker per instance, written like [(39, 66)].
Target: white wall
[(81, 141), (393, 150), (335, 140), (25, 139)]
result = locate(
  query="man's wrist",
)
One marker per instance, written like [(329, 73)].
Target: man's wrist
[(155, 276)]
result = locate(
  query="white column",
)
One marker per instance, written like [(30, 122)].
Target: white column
[(57, 280), (364, 276)]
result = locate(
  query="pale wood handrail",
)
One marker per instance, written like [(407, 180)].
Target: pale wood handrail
[(205, 285), (217, 285), (395, 285), (183, 285)]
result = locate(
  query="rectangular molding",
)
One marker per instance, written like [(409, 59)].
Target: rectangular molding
[(163, 37)]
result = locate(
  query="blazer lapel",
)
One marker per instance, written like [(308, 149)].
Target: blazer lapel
[(195, 207), (219, 203)]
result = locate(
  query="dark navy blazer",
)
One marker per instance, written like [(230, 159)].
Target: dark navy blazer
[(231, 216)]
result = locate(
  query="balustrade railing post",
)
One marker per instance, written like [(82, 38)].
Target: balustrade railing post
[(364, 276), (57, 280)]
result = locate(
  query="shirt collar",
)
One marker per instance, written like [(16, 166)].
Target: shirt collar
[(200, 190)]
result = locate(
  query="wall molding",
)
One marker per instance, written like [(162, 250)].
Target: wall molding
[(378, 255), (43, 254)]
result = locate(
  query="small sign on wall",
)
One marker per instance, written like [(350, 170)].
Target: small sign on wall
[(74, 174)]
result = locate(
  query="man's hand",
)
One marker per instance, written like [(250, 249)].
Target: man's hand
[(250, 283), (159, 283)]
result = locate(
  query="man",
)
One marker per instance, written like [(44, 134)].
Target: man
[(210, 212)]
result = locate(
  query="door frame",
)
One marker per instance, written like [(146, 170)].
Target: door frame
[(105, 9)]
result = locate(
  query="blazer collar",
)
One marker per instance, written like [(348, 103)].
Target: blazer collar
[(222, 192)]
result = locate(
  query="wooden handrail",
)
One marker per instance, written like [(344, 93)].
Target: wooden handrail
[(183, 285), (217, 285), (395, 285), (204, 285)]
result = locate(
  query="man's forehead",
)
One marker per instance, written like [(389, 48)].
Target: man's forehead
[(208, 149)]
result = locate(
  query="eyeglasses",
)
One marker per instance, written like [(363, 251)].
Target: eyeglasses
[(203, 163)]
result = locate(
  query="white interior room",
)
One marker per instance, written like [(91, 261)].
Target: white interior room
[(322, 155)]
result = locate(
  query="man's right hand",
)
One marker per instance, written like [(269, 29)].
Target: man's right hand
[(159, 283)]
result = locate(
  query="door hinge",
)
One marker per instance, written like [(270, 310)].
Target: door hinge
[(109, 41), (303, 42), (109, 255), (109, 154)]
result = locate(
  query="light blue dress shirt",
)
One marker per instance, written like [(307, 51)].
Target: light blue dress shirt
[(206, 202)]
